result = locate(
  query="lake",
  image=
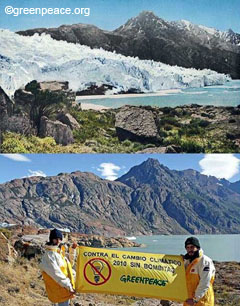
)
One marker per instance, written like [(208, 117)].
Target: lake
[(223, 95), (218, 247)]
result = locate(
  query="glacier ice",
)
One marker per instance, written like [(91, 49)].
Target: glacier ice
[(41, 58)]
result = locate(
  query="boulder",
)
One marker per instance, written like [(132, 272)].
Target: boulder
[(94, 89), (103, 242), (23, 100), (6, 109), (7, 252), (20, 124), (56, 129), (59, 87), (173, 149), (68, 120), (154, 150), (21, 230), (137, 124), (54, 85), (13, 122), (30, 248)]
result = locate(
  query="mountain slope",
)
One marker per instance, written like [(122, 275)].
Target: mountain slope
[(150, 37), (150, 198), (195, 201)]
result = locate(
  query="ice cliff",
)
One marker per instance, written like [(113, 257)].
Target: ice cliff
[(41, 58)]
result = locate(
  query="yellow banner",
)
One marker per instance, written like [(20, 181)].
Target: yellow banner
[(131, 273)]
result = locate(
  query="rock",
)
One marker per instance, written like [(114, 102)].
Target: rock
[(154, 150), (137, 124), (103, 242), (21, 230), (54, 86), (30, 248), (13, 122), (56, 129), (23, 100), (173, 149), (25, 97), (91, 143), (21, 124), (6, 104), (61, 88), (93, 89), (7, 252), (68, 120), (6, 109)]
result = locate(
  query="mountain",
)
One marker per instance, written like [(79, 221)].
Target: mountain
[(233, 186), (150, 198), (41, 58), (149, 37)]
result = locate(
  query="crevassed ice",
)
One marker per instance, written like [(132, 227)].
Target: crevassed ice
[(41, 58)]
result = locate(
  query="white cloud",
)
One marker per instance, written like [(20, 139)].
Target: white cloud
[(36, 173), (220, 165), (17, 157), (109, 171)]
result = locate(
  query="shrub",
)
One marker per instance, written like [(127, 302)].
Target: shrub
[(191, 146), (46, 103)]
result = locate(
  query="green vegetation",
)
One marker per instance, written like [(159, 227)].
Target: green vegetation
[(194, 136), (16, 143), (97, 133)]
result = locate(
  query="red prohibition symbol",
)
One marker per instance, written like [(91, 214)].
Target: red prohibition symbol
[(97, 265)]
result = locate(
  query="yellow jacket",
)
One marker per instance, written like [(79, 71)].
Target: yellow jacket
[(57, 274), (200, 275)]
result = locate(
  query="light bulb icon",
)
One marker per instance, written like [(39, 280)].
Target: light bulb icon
[(97, 266)]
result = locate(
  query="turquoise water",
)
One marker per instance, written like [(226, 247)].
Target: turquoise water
[(218, 247), (224, 95)]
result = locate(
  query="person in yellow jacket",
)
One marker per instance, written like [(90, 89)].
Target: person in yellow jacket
[(57, 272), (200, 273)]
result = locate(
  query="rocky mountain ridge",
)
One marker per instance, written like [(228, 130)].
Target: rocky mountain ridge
[(149, 37), (149, 199)]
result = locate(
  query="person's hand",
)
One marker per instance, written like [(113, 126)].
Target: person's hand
[(190, 302), (74, 245)]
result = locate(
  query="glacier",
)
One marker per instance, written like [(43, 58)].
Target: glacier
[(41, 58)]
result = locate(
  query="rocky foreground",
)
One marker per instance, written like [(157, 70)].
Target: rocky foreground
[(21, 282), (44, 118)]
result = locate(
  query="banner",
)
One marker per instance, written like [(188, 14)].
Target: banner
[(131, 273)]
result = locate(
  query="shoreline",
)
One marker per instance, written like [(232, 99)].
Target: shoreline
[(96, 107), (99, 107), (122, 96)]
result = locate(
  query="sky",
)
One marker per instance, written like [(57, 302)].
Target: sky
[(110, 14), (111, 166)]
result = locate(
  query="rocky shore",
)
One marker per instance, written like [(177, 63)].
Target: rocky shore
[(28, 241)]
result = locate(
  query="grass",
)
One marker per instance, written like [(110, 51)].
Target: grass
[(16, 143), (21, 284)]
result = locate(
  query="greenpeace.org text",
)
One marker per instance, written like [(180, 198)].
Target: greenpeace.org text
[(42, 11)]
